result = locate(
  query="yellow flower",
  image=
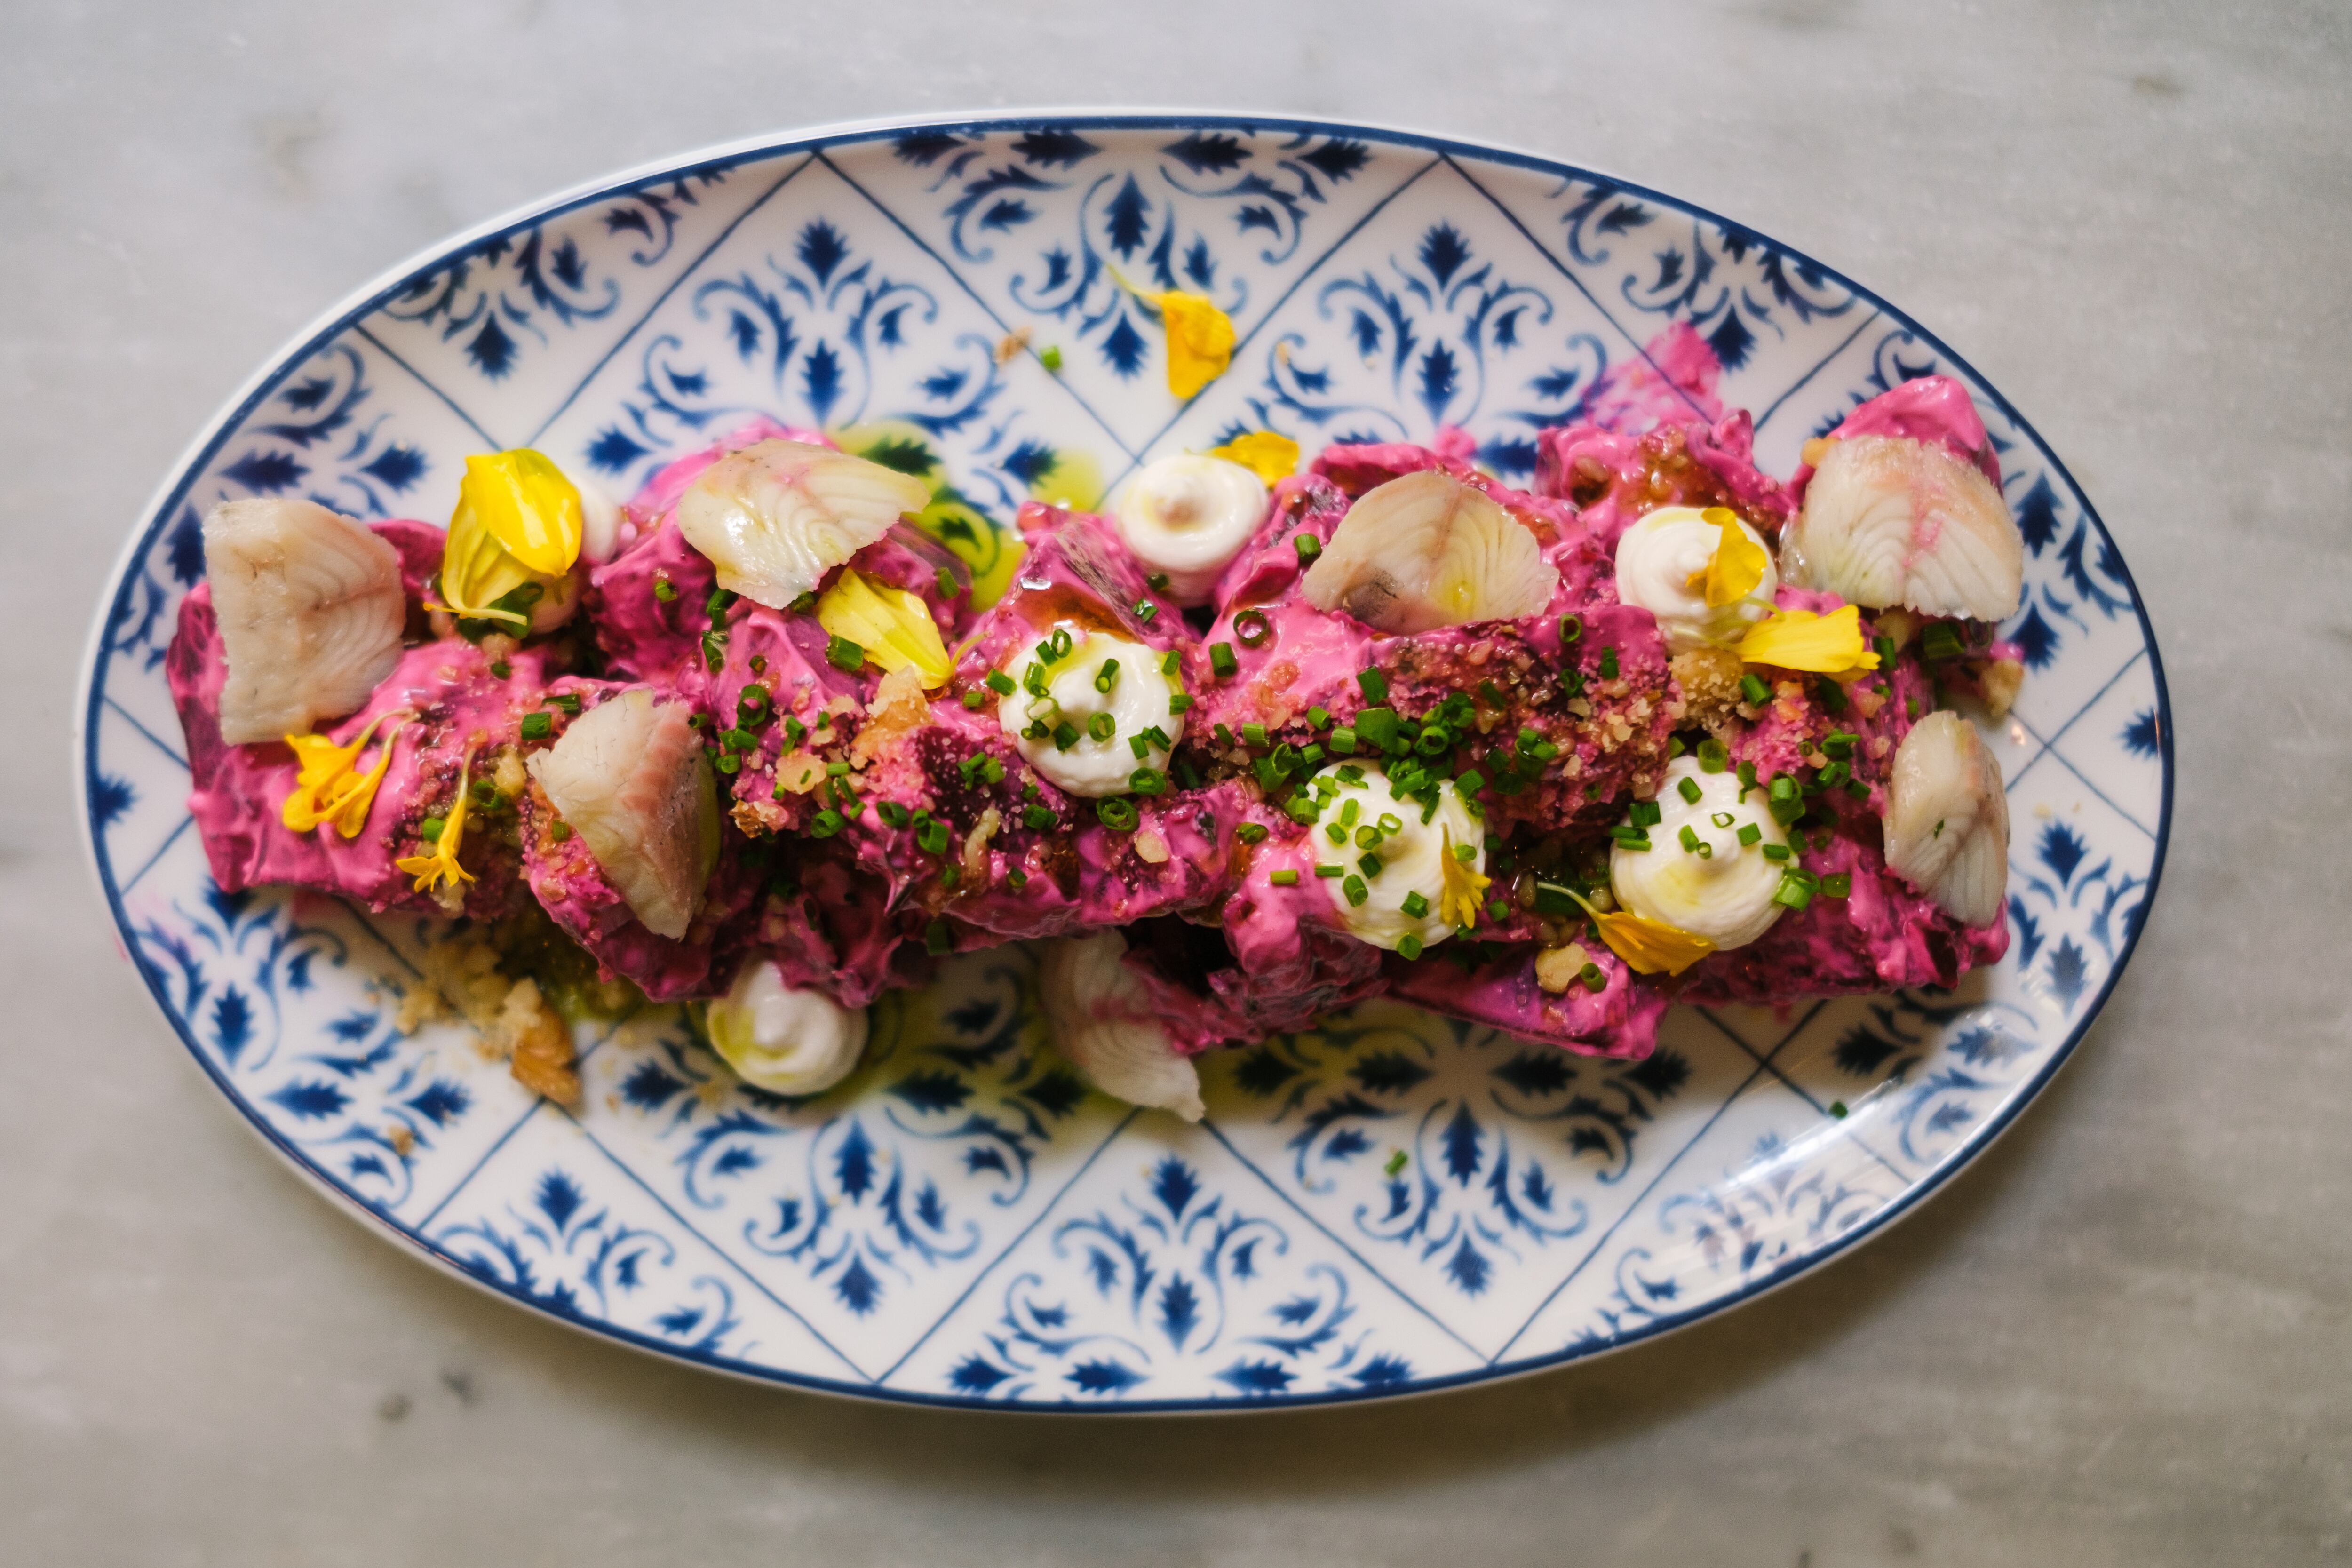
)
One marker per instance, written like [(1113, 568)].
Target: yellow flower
[(328, 789), (1647, 946), (441, 867), (1799, 639), (1459, 885), (518, 522), (1737, 564), (894, 627), (1268, 456), (1200, 341)]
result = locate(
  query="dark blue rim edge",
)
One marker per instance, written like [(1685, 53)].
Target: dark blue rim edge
[(265, 382)]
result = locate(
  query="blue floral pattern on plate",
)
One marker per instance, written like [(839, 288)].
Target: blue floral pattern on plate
[(1393, 1204)]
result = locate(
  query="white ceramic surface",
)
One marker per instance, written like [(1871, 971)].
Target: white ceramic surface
[(961, 1222)]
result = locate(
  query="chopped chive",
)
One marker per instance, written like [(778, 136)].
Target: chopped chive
[(1408, 948), (537, 726), (975, 698), (892, 814), (714, 650), (1156, 581), (1465, 853), (1470, 782), (1498, 911), (718, 604), (1791, 893), (1775, 852), (1117, 814), (1367, 835), (1140, 745), (1286, 877), (1337, 832), (1317, 716), (1783, 788), (1224, 736), (1688, 789), (1571, 628), (1833, 775), (1322, 871), (502, 669), (1389, 823), (1308, 546), (1343, 741), (1837, 1110), (826, 823), (1035, 815), (1688, 838), (1180, 703), (1607, 664), (1309, 755), (1942, 640), (1051, 358), (1252, 629), (1839, 742), (1884, 646), (1630, 837), (1592, 978), (1066, 734), (431, 827), (1415, 905), (1356, 890), (1144, 610), (1830, 694), (1748, 833), (1172, 663), (931, 835), (1837, 884), (1746, 779), (1107, 675), (1148, 780), (1857, 788), (1644, 814), (840, 653), (1752, 688), (1059, 646), (1375, 685), (664, 589), (1252, 734), (1250, 832), (1722, 819), (1000, 683), (1101, 726), (1221, 660), (1713, 756)]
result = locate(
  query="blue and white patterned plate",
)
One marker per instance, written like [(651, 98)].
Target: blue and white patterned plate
[(962, 1222)]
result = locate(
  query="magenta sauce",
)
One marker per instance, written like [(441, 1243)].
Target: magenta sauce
[(836, 879)]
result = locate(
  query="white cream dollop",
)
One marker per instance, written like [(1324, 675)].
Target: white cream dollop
[(1413, 857), (782, 1040), (1655, 559), (1137, 702), (1189, 516), (1724, 894)]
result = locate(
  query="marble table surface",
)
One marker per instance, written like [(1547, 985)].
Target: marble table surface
[(2122, 1337)]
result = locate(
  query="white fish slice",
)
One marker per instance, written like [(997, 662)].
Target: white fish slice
[(775, 517), (1427, 551), (630, 778), (1890, 521), (1101, 1015), (1948, 819), (310, 611)]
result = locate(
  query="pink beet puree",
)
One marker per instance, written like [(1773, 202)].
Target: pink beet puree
[(1924, 408), (1619, 1020), (458, 710)]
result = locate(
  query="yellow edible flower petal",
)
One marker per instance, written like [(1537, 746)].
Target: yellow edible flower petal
[(441, 866), (1737, 565), (517, 521), (1269, 456), (326, 789), (1200, 341), (894, 627), (1799, 639), (527, 506), (1459, 886), (1647, 946)]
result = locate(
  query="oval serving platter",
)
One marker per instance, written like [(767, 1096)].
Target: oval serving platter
[(1394, 1204)]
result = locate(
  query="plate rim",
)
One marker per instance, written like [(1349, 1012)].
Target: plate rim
[(386, 284)]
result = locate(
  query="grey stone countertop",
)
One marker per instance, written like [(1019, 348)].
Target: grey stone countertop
[(2121, 1337)]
